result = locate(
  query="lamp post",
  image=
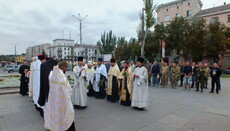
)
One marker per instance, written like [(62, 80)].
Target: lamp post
[(80, 19)]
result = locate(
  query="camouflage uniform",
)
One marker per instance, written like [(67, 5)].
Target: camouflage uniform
[(200, 72), (175, 73), (164, 77)]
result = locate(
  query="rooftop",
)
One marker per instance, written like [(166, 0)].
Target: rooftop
[(174, 2), (214, 10)]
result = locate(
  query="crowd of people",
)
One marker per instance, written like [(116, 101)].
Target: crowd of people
[(185, 74), (126, 82)]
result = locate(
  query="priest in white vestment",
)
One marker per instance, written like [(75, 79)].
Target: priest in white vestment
[(140, 89), (31, 73), (36, 78), (100, 77), (90, 78), (79, 90), (58, 111)]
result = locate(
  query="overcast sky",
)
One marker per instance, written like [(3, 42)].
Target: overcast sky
[(33, 22)]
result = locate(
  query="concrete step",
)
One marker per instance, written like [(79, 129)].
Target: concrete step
[(8, 91)]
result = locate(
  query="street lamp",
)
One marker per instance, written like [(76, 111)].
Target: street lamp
[(80, 19)]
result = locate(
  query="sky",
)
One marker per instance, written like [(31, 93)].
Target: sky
[(25, 23)]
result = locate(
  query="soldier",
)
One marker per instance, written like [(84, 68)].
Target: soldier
[(164, 73), (175, 74), (200, 72), (207, 72)]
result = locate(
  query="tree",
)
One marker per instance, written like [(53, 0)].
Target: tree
[(127, 50), (107, 43), (176, 34), (195, 44), (149, 19), (215, 40)]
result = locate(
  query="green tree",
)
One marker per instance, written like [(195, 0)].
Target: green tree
[(215, 40), (195, 44), (176, 34), (147, 21), (107, 43)]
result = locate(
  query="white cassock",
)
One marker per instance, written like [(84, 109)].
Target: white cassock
[(100, 70), (36, 81), (58, 111), (31, 77), (140, 88), (79, 91), (89, 73)]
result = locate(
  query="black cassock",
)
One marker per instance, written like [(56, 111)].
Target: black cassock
[(24, 80), (46, 68), (115, 96), (102, 92)]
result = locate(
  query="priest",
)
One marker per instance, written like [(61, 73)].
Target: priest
[(59, 112), (79, 90), (23, 70), (100, 80), (36, 79), (112, 90), (90, 78), (126, 84), (140, 88), (46, 68), (31, 73)]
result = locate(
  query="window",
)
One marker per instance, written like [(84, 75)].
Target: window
[(167, 18), (65, 53), (188, 4), (189, 13), (167, 10), (64, 48), (228, 18), (68, 48), (214, 20), (177, 15), (177, 7)]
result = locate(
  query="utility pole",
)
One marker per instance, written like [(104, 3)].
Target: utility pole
[(15, 52), (80, 19)]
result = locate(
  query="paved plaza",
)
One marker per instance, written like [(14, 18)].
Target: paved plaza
[(169, 110)]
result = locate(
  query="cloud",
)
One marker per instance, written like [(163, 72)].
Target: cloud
[(31, 22)]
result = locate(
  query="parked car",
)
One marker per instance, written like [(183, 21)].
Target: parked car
[(11, 68), (226, 71)]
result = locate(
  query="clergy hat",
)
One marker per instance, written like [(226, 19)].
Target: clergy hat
[(140, 60), (112, 60), (48, 58), (41, 57), (90, 63), (80, 58), (100, 59)]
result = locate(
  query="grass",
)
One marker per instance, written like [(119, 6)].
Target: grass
[(225, 76)]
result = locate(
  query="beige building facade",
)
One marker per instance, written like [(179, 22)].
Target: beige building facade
[(216, 14), (179, 8), (35, 50)]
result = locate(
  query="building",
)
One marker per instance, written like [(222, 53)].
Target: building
[(66, 49), (179, 8), (61, 49), (192, 9), (35, 50), (216, 14)]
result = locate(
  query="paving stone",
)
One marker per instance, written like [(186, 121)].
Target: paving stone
[(218, 111), (174, 121)]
